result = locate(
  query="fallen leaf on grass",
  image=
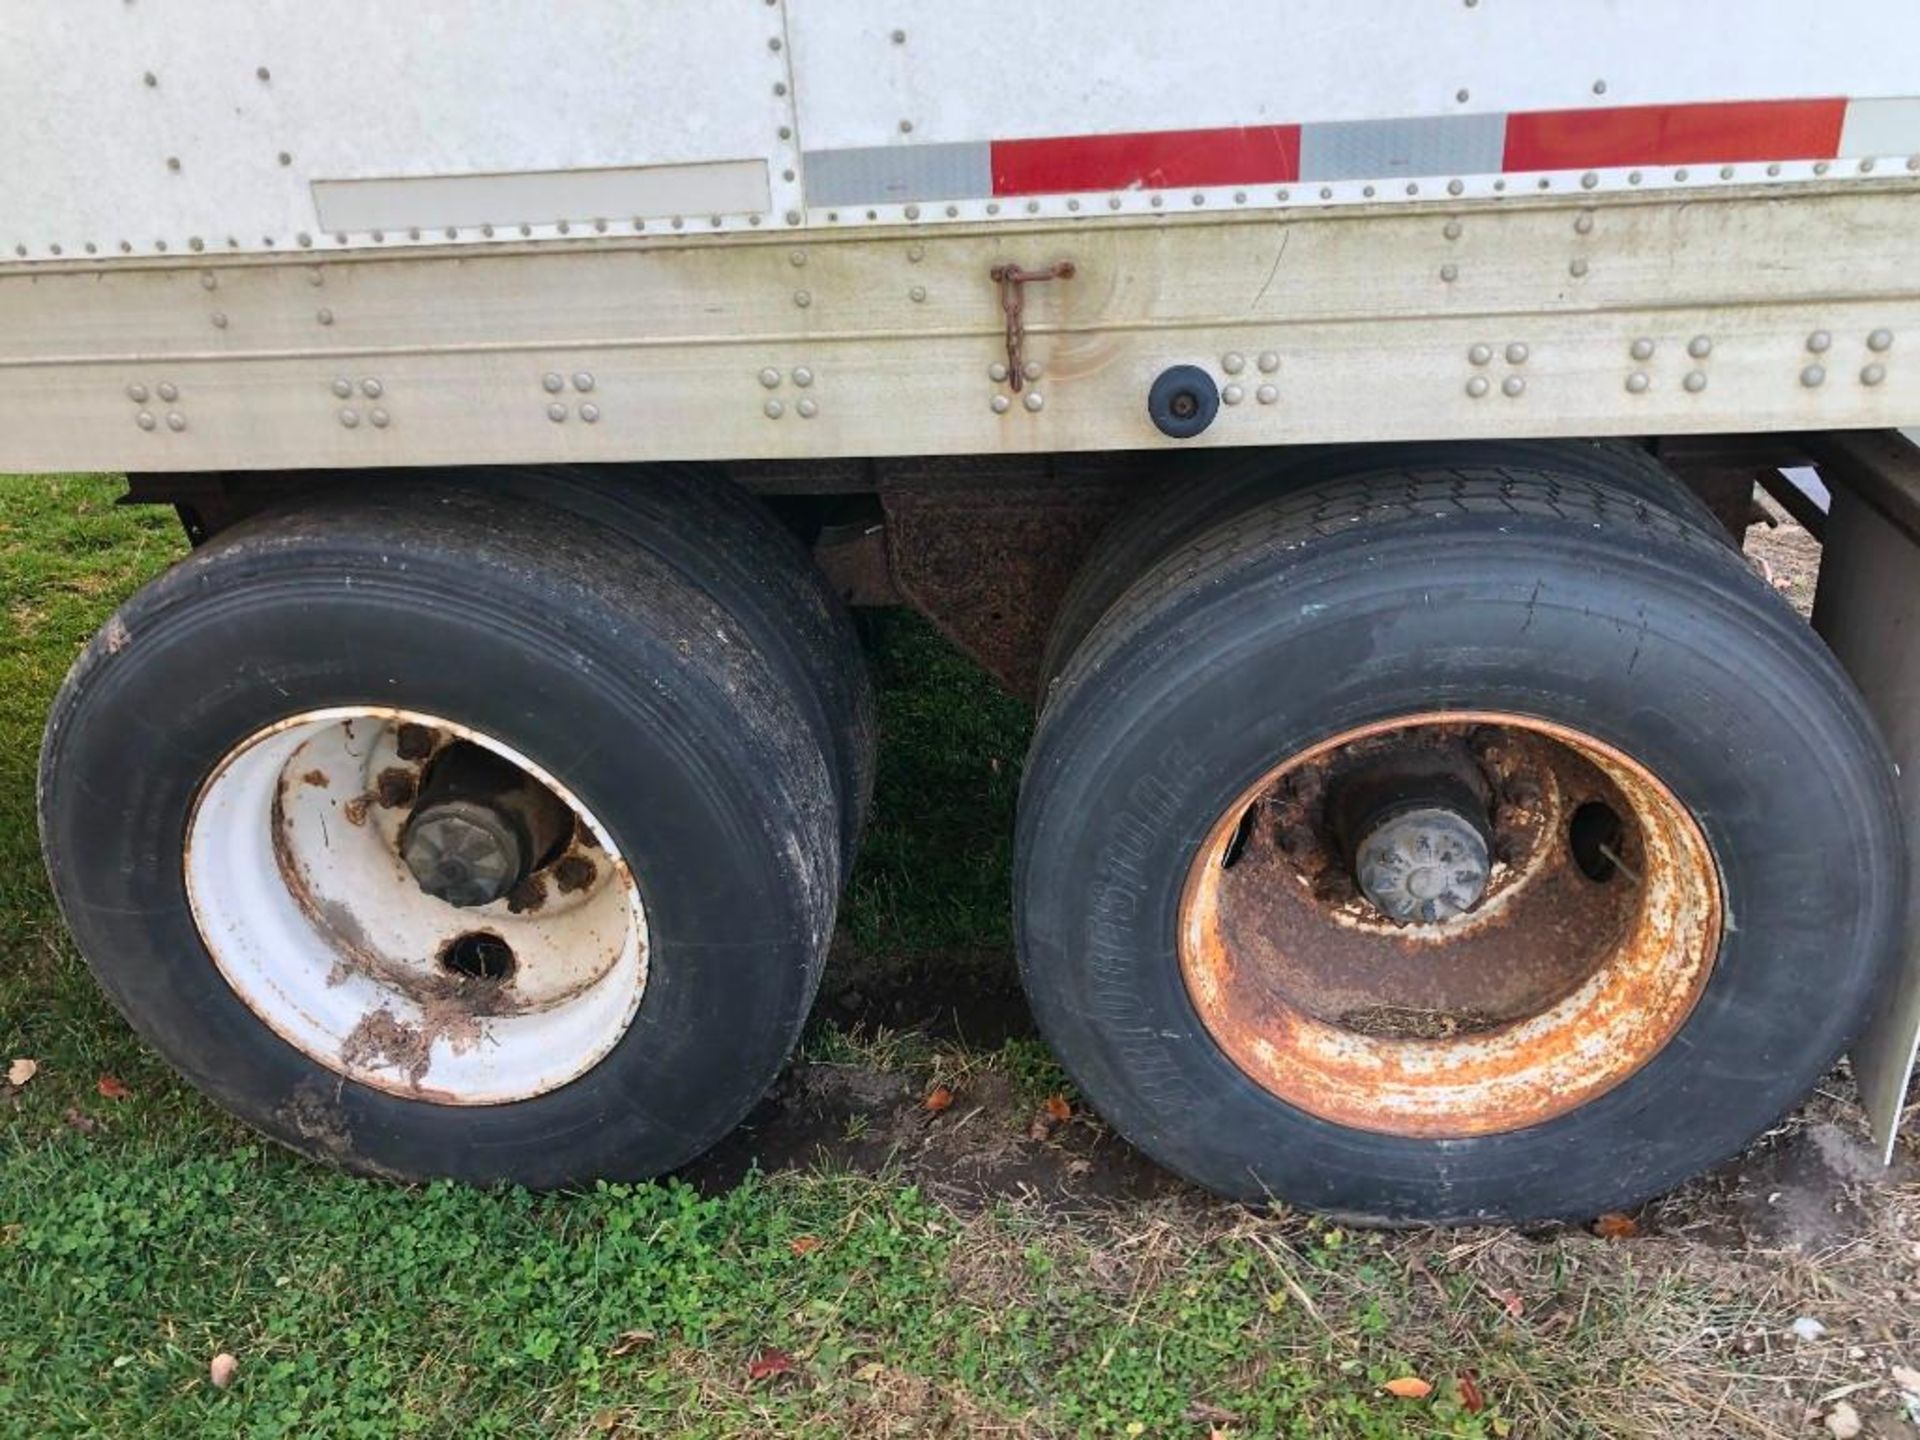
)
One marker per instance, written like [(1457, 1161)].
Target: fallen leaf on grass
[(1471, 1400), (21, 1071), (80, 1121), (768, 1363), (630, 1341), (1200, 1412), (940, 1099), (1616, 1226), (804, 1244), (111, 1088), (1907, 1378), (222, 1370), (1843, 1422), (1409, 1387), (1058, 1108), (1510, 1301)]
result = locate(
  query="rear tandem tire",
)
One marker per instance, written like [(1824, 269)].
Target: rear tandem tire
[(1211, 489), (1358, 603), (669, 709)]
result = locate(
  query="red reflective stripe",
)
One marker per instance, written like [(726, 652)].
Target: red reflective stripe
[(1249, 155), (1675, 134)]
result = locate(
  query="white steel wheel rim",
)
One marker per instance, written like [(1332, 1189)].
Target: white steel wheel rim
[(296, 882)]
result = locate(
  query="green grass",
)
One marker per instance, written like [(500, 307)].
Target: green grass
[(140, 1237)]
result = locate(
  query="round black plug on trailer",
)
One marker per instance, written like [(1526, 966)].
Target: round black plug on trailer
[(1183, 401)]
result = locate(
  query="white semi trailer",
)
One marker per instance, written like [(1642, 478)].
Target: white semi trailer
[(1340, 417)]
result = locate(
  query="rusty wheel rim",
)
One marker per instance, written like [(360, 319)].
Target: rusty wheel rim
[(1584, 956)]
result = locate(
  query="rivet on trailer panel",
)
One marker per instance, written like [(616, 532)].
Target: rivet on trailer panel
[(1819, 342), (1642, 349), (379, 419), (807, 409), (1480, 355), (1700, 347), (1449, 273), (770, 378), (1696, 381), (1874, 374), (1034, 401), (1513, 387), (774, 409), (1638, 382), (1000, 404), (590, 413), (1813, 377), (557, 413), (1267, 394), (802, 376), (1880, 341)]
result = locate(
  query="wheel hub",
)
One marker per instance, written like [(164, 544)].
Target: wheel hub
[(1426, 864), (464, 853)]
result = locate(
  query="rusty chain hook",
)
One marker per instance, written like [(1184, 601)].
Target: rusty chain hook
[(1011, 279)]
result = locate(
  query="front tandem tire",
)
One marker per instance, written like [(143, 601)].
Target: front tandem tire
[(441, 831), (1430, 847)]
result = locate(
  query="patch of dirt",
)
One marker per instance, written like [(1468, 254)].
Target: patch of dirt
[(990, 1144), (1785, 555), (971, 996)]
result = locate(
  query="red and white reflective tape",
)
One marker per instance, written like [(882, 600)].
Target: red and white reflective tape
[(1439, 147)]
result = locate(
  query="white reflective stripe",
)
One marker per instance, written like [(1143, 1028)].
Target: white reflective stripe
[(1881, 127), (894, 174), (1389, 149)]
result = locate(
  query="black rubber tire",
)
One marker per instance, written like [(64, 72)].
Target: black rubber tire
[(720, 538), (1203, 491), (1364, 599), (658, 706)]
